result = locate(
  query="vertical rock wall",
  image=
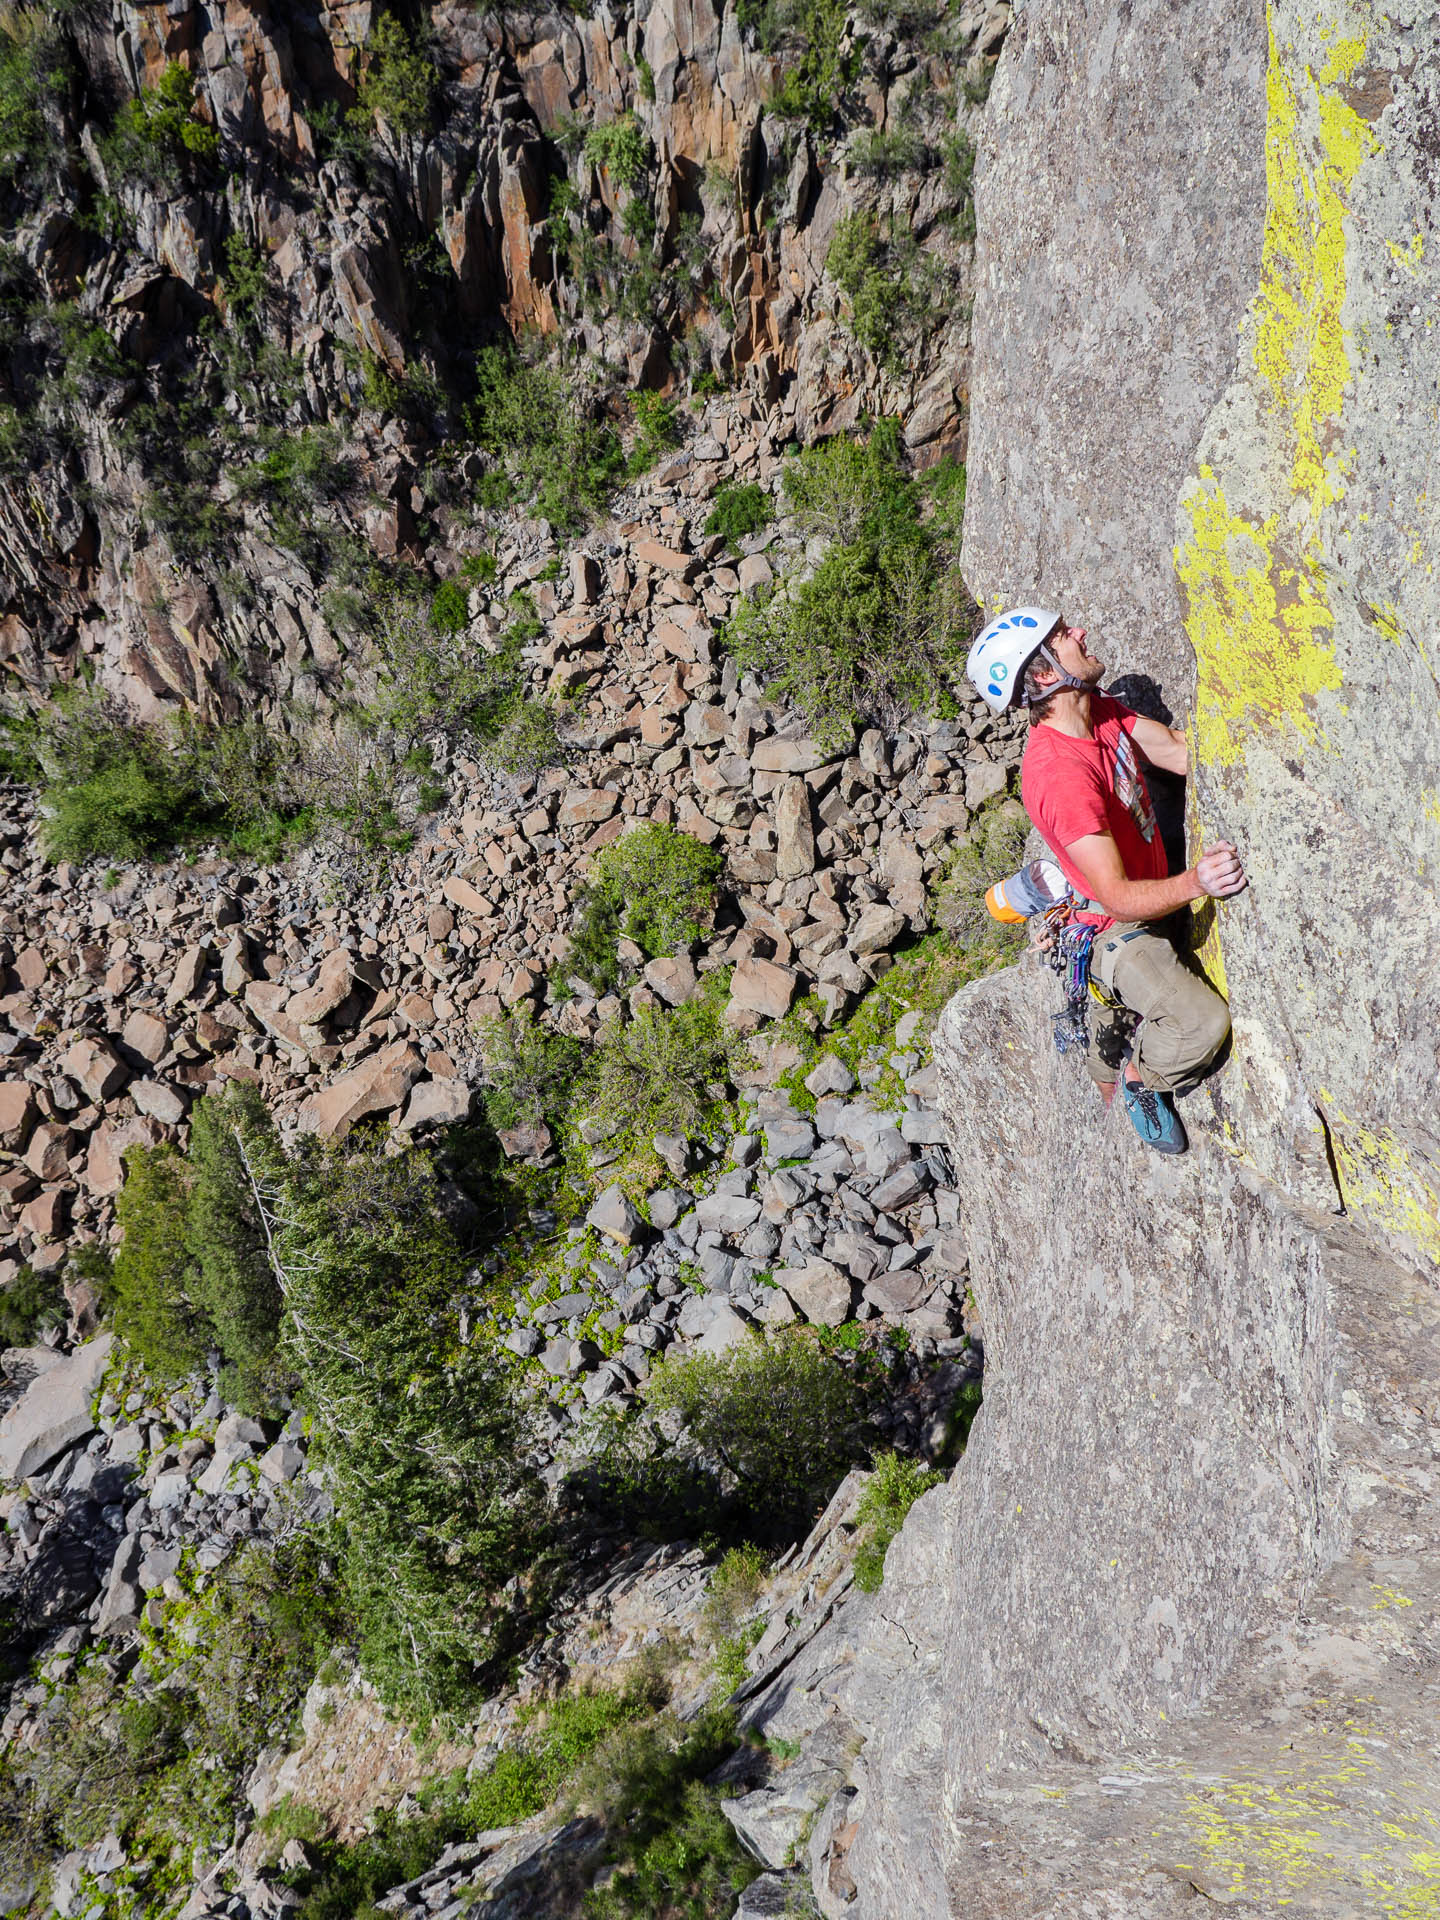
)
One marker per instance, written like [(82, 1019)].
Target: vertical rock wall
[(1170, 1627), (1307, 548), (1120, 189)]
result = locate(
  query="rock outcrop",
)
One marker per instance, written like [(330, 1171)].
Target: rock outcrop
[(1169, 1629), (394, 253)]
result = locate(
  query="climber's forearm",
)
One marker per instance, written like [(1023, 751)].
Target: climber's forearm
[(1098, 859), (1150, 899)]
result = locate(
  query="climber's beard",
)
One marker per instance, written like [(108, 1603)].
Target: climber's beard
[(1092, 672), (1069, 649)]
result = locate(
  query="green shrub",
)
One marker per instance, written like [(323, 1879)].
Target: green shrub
[(526, 416), (233, 1283), (899, 150), (645, 77), (655, 887), (348, 1877), (19, 745), (657, 427), (245, 277), (562, 200), (152, 1307), (886, 283), (32, 67), (593, 955), (817, 77), (481, 568), (531, 1070), (528, 739), (807, 32), (459, 689), (665, 1071), (735, 1586), (160, 1755), (379, 389), (668, 1848), (193, 1273), (296, 472), (739, 510), (450, 607), (622, 148), (525, 623), (135, 805), (959, 158), (119, 790), (398, 82), (924, 978), (891, 1491), (637, 221), (353, 780), (32, 1303), (944, 488), (784, 1419), (158, 130), (879, 628), (732, 1653)]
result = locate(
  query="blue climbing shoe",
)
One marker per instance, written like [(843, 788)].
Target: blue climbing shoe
[(1154, 1118)]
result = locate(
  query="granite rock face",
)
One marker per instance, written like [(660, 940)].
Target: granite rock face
[(1119, 192), (1169, 1629), (1306, 544)]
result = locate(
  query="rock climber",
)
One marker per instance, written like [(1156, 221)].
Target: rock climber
[(1084, 787)]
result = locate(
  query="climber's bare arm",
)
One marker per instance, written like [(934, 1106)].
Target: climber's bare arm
[(1162, 746), (1217, 872)]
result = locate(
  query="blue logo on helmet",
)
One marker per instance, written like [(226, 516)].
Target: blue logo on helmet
[(994, 689), (1026, 621), (999, 671)]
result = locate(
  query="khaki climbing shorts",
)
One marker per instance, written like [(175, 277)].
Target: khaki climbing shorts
[(1183, 1021)]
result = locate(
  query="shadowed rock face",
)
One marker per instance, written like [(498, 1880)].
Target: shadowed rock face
[(1170, 1627), (1119, 192)]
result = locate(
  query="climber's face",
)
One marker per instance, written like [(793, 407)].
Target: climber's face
[(1068, 646)]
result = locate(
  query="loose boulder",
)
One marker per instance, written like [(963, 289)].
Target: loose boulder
[(53, 1412)]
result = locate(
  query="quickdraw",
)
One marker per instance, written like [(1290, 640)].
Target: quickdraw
[(1070, 958)]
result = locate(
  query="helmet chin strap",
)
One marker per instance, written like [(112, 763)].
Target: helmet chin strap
[(1065, 679)]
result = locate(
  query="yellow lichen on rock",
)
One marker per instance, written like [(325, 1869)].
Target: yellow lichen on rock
[(1379, 1179), (1300, 340), (1260, 625), (1293, 1834), (1259, 613)]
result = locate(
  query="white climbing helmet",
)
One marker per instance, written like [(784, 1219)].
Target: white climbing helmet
[(997, 661)]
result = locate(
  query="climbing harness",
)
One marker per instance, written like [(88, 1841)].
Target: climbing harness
[(1041, 896)]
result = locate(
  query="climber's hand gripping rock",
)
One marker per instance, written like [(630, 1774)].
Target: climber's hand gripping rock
[(1219, 872)]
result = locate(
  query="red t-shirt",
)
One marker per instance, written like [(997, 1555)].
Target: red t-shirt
[(1076, 787)]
